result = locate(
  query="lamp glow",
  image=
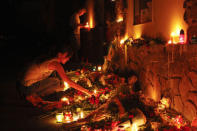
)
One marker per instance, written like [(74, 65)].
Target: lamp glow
[(120, 19)]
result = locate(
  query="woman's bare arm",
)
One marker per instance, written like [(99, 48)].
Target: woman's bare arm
[(58, 67)]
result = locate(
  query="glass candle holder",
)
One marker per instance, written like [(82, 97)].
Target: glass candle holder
[(68, 117), (59, 117)]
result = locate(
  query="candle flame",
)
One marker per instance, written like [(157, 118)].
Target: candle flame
[(67, 117), (64, 99), (66, 86), (99, 68), (87, 25), (123, 39), (75, 118), (82, 114), (120, 19), (95, 91), (172, 34), (165, 102), (170, 42), (90, 13)]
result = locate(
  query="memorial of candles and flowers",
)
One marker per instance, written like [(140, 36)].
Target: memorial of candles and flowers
[(125, 100), (144, 84)]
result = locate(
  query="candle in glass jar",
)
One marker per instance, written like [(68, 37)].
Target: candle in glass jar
[(59, 117), (68, 117)]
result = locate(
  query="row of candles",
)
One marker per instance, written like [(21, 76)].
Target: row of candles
[(174, 38), (177, 39), (68, 116)]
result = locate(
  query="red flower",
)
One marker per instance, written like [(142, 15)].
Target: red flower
[(97, 101), (186, 128), (77, 73), (114, 124), (131, 116), (79, 93), (106, 88), (91, 100)]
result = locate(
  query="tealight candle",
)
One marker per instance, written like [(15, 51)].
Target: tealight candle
[(99, 68), (59, 117), (75, 117), (82, 114), (94, 68), (67, 117), (64, 99)]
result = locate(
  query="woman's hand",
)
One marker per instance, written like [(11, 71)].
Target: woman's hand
[(54, 65)]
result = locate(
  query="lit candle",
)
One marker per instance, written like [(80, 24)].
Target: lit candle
[(134, 127), (87, 25), (165, 101), (64, 99), (94, 68), (170, 42), (82, 114), (59, 117), (120, 19), (172, 37), (179, 121), (181, 37), (66, 86), (99, 68), (122, 41), (95, 91), (75, 117), (67, 117)]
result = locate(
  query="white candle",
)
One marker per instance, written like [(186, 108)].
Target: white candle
[(59, 117)]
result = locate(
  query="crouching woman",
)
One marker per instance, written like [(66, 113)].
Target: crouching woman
[(37, 81)]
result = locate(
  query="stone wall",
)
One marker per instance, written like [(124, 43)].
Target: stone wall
[(190, 18), (168, 71)]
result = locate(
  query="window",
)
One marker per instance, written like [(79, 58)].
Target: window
[(142, 11)]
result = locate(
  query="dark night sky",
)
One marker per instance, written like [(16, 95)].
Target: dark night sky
[(23, 26), (22, 35), (31, 17)]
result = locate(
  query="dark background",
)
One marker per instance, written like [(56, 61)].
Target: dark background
[(25, 27)]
